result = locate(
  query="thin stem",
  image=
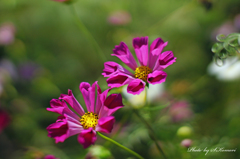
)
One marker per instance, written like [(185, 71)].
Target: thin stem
[(145, 98), (84, 30), (119, 145), (152, 134)]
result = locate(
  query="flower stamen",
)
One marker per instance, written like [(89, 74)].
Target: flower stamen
[(142, 72), (89, 120)]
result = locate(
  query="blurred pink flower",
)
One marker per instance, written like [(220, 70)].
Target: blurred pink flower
[(119, 18), (4, 119), (7, 33), (61, 0), (186, 143), (50, 157), (149, 70), (98, 118), (180, 111), (237, 21), (226, 28)]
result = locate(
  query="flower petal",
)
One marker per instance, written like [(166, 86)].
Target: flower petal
[(111, 105), (141, 48), (71, 100), (58, 130), (105, 124), (136, 86), (88, 93), (87, 137), (99, 102), (119, 80), (157, 77), (57, 106), (166, 58), (74, 126), (111, 68), (155, 50), (123, 53)]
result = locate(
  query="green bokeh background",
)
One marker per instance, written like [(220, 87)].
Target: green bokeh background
[(47, 34)]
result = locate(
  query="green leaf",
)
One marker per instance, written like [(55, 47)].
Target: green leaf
[(221, 37), (239, 40), (223, 54), (234, 43), (230, 50), (217, 47), (236, 35)]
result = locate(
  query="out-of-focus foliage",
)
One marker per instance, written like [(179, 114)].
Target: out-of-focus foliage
[(226, 46), (50, 54)]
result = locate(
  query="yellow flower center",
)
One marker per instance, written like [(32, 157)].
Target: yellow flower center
[(89, 120), (142, 72)]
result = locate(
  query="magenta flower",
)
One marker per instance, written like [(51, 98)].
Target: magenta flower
[(149, 69), (97, 118), (50, 157), (4, 119), (61, 0)]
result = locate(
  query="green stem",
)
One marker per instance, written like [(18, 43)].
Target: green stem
[(85, 31), (152, 134), (119, 145)]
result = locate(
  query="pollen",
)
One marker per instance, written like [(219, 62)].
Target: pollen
[(89, 120), (142, 72)]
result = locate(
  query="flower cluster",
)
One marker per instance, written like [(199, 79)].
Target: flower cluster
[(98, 117)]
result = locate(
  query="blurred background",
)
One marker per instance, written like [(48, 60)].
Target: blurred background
[(44, 52)]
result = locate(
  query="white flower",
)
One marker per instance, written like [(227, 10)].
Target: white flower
[(228, 72), (153, 92)]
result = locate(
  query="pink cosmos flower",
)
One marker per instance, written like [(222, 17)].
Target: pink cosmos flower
[(7, 33), (61, 0), (97, 118), (149, 69), (119, 18), (181, 111), (50, 157)]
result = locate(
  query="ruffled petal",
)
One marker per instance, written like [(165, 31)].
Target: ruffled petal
[(61, 108), (57, 106), (141, 48), (123, 53), (111, 68), (71, 100), (166, 58), (113, 103), (136, 86), (87, 137), (119, 80), (105, 124), (58, 130), (155, 50), (157, 77), (88, 93), (99, 102), (74, 126)]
